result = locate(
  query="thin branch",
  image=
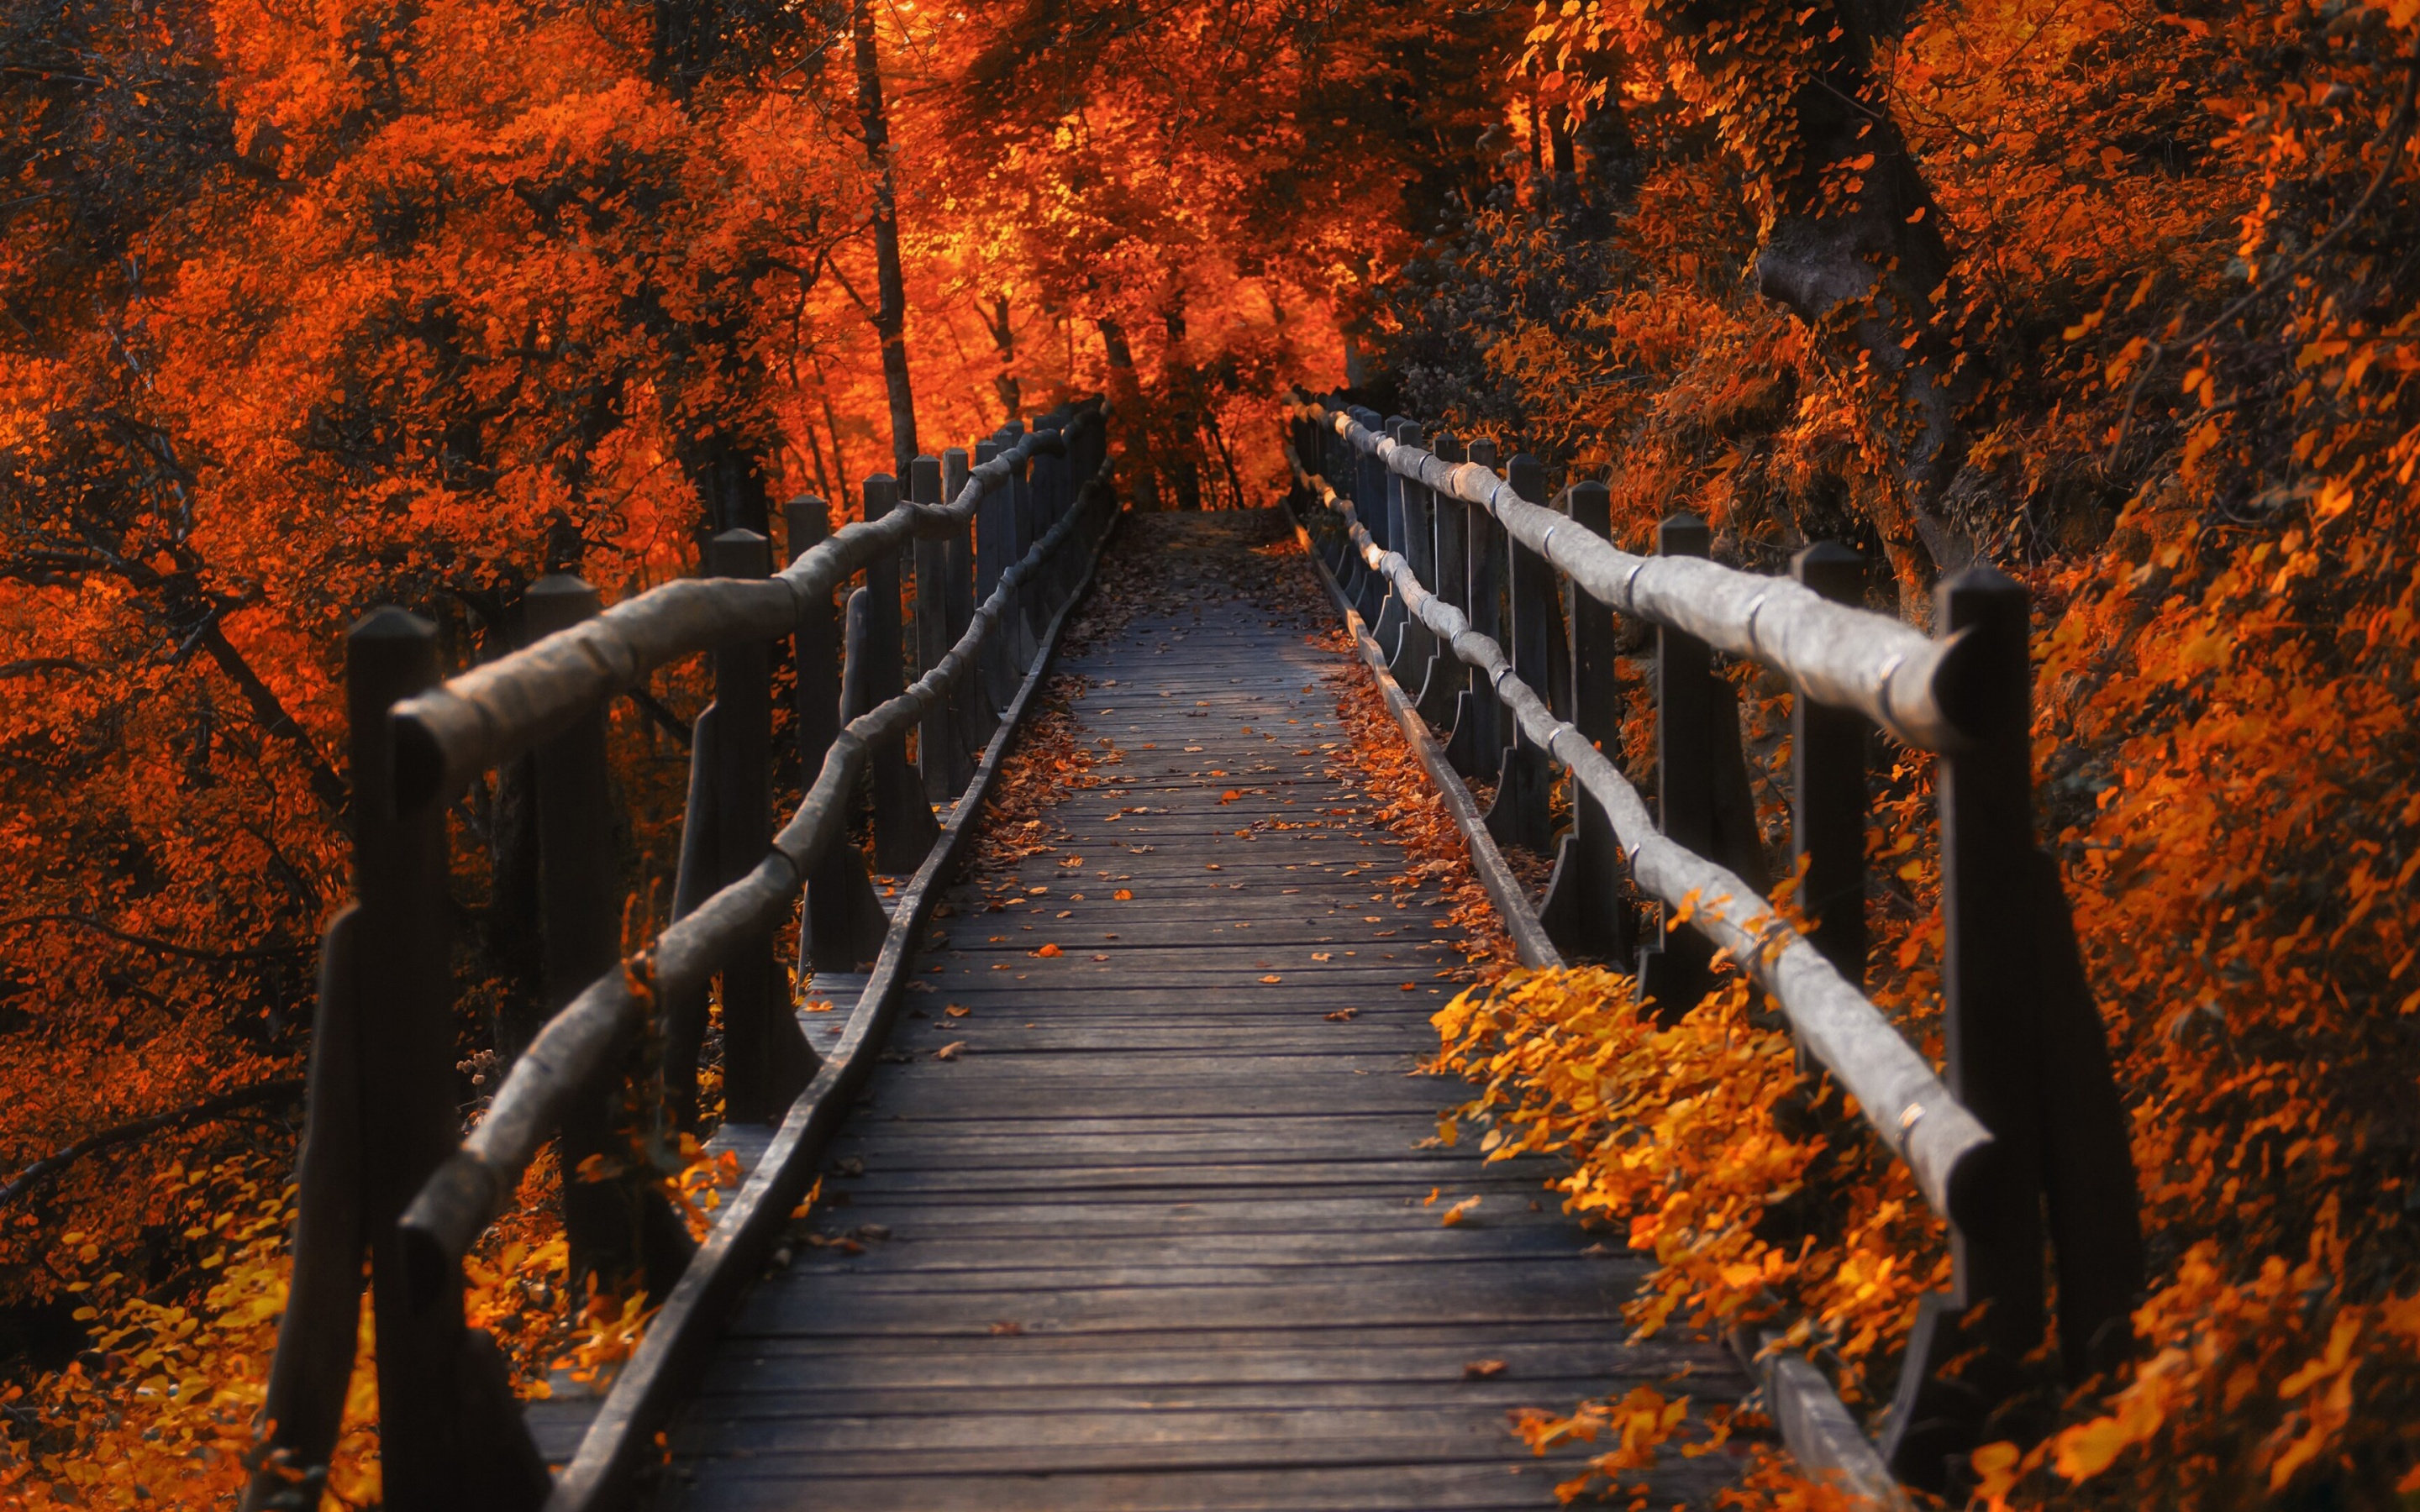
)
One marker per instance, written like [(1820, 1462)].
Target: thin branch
[(2397, 129), (290, 1089), (261, 952)]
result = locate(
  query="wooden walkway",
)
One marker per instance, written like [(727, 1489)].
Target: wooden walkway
[(1155, 1235)]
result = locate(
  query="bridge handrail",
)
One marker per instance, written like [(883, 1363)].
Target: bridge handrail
[(484, 718), (2022, 1142), (1891, 672), (464, 1193), (1946, 1148), (385, 1163)]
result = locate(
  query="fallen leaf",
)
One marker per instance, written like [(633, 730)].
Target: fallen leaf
[(1343, 1015), (1124, 895), (1272, 978), (1211, 866), (1411, 987), (956, 1048), (1454, 1214), (1229, 796), (1483, 1369), (1049, 950), (956, 1013), (1007, 1330), (1322, 955)]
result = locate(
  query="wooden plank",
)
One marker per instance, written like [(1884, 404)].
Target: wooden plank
[(1203, 1205)]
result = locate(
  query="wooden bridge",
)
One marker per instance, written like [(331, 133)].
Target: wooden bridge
[(1125, 1199)]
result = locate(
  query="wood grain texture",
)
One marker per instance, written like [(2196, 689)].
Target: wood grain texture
[(1158, 1232)]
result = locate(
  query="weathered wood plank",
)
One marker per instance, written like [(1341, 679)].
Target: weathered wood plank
[(1160, 1233)]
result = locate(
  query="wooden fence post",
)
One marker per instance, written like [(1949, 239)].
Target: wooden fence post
[(1827, 763), (1393, 619), (1415, 644), (1990, 1041), (941, 758), (1477, 745), (450, 1432), (1674, 963), (904, 829), (1369, 494), (994, 549), (1584, 912), (970, 713), (1446, 677), (1521, 814), (841, 924), (614, 1225), (765, 1061)]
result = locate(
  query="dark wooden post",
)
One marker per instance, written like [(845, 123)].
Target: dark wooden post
[(450, 1433), (1049, 502), (1370, 493), (995, 546), (1674, 965), (1584, 912), (1521, 814), (1394, 621), (579, 897), (1990, 1040), (940, 758), (1827, 766), (972, 713), (1446, 677), (903, 821), (1477, 746), (842, 924), (765, 1061), (304, 1403), (1415, 644)]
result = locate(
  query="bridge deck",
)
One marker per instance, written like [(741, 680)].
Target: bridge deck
[(1157, 1237)]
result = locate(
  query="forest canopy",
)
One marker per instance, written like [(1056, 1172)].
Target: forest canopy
[(309, 308)]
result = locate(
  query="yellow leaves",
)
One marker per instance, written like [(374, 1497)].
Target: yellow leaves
[(1271, 980), (1454, 1215)]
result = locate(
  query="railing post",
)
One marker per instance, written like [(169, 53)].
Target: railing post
[(940, 758), (450, 1432), (765, 1061), (903, 821), (1674, 963), (1028, 642), (1394, 621), (1415, 644), (994, 547), (1991, 1041), (611, 1225), (970, 713), (1049, 502), (1521, 814), (1584, 912), (1369, 492), (1827, 761), (841, 924), (1477, 746), (1446, 676)]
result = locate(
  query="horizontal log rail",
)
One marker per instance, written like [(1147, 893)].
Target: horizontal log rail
[(467, 1190), (1893, 674), (487, 715), (1495, 615), (1907, 1105), (386, 1167)]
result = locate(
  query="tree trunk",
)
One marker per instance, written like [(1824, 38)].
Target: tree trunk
[(1877, 254), (890, 286)]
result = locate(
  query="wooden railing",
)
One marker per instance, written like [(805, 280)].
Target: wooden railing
[(2024, 1139), (999, 550)]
